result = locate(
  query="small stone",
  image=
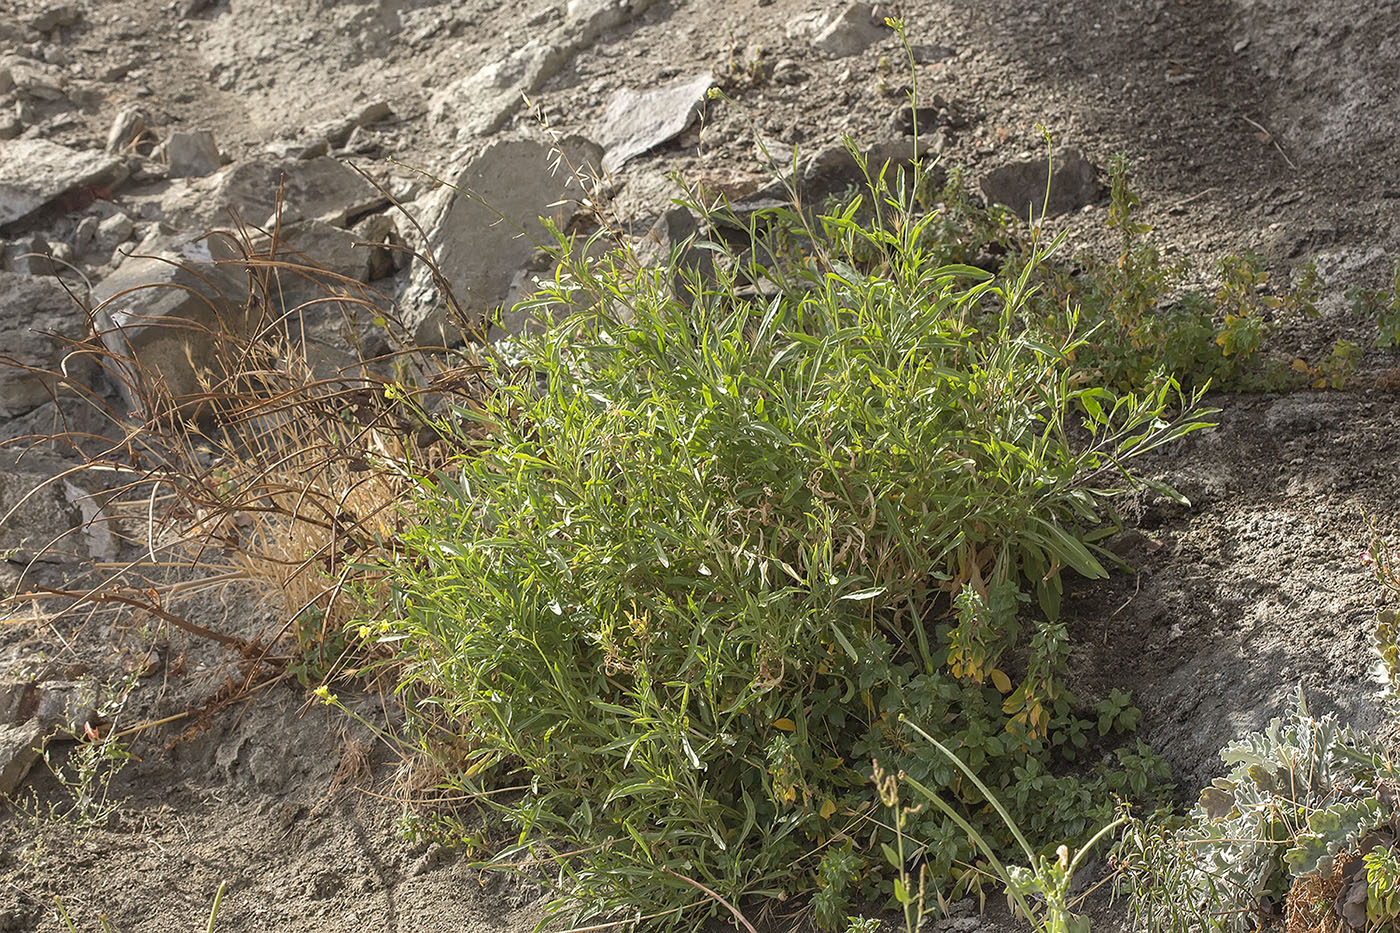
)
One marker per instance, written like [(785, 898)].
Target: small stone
[(841, 34), (301, 148), (85, 235), (20, 746), (638, 121), (333, 134), (930, 54), (63, 14), (31, 713), (113, 232), (379, 229), (1021, 186), (361, 142), (787, 71), (192, 154), (128, 128), (36, 81), (675, 233)]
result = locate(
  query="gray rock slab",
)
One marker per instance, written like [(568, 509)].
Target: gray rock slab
[(326, 247), (163, 312), (1074, 182), (313, 189), (637, 121), (315, 261), (114, 231), (20, 746), (37, 317), (480, 103), (31, 714), (486, 226), (674, 236), (36, 172)]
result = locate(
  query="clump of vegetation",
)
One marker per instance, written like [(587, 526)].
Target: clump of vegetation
[(665, 592), (1383, 306), (1148, 320), (716, 542), (1297, 795), (1308, 811)]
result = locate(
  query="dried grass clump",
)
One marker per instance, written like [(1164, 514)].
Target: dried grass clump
[(1313, 901), (281, 474)]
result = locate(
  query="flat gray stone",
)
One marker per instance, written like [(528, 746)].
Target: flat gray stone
[(480, 103), (841, 33), (20, 746), (638, 121), (36, 172), (313, 189), (31, 714)]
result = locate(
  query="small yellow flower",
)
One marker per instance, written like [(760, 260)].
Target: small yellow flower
[(323, 693)]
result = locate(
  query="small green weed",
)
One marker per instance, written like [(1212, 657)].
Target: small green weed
[(88, 771), (86, 777), (1039, 890), (1383, 306)]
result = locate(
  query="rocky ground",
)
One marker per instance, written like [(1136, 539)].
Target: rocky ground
[(129, 130)]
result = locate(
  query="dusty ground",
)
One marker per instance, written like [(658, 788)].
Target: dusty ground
[(1259, 124)]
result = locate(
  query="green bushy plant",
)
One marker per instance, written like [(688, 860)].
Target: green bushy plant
[(1148, 319), (1383, 888), (718, 540)]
